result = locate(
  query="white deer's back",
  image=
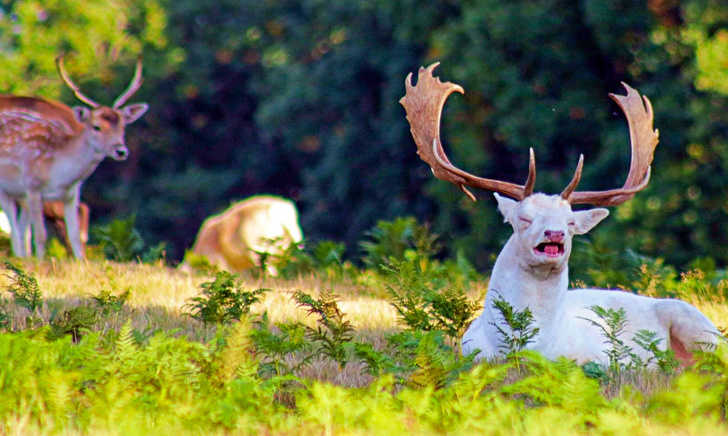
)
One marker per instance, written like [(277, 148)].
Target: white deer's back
[(570, 332)]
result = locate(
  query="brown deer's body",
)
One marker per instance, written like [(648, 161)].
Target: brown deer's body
[(48, 149), (53, 213), (234, 239)]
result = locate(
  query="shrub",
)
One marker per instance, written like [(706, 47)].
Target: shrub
[(393, 239), (325, 257), (122, 242), (109, 303), (424, 298), (333, 331), (519, 323), (119, 239), (73, 322), (26, 293), (277, 348), (223, 300)]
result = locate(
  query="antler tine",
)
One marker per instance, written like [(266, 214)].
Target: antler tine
[(531, 180), (574, 180), (643, 138), (134, 85), (76, 90), (423, 104)]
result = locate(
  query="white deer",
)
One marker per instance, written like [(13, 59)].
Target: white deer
[(48, 149), (531, 270)]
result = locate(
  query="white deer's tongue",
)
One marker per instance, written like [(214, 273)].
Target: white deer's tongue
[(551, 249)]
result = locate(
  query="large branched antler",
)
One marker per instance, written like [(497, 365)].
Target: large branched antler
[(425, 101), (643, 139), (423, 104)]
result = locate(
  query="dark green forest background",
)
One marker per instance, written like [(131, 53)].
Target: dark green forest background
[(300, 98)]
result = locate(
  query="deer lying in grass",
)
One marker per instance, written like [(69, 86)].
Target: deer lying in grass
[(235, 239), (48, 149), (531, 270)]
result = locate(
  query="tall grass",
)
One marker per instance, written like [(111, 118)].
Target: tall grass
[(331, 348)]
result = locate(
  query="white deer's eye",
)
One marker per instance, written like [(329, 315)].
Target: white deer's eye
[(525, 220), (572, 223)]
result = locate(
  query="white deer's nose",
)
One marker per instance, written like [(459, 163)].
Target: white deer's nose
[(554, 235)]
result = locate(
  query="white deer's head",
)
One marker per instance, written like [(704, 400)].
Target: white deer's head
[(544, 225)]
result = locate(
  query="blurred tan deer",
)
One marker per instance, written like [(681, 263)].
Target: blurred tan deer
[(53, 212), (235, 239), (531, 270), (48, 149)]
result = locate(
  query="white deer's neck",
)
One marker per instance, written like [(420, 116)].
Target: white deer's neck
[(541, 289)]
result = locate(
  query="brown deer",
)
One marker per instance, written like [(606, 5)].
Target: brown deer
[(531, 270), (235, 239), (48, 149), (53, 213)]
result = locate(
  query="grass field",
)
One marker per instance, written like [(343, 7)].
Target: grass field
[(151, 367)]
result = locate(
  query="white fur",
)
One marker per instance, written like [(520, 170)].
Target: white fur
[(527, 279), (4, 223)]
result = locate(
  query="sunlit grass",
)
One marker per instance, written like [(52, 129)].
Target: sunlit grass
[(158, 294), (158, 291)]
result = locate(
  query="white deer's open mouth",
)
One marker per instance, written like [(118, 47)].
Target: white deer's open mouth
[(549, 249)]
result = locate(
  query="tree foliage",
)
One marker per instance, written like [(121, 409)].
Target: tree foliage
[(300, 99)]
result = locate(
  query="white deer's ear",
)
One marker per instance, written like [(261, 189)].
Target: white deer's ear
[(133, 112), (585, 220), (82, 113), (506, 206)]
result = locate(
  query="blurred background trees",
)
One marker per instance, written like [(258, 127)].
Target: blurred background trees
[(300, 98)]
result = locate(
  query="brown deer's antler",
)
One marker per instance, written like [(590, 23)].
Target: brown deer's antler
[(134, 85), (423, 104), (76, 90), (643, 138)]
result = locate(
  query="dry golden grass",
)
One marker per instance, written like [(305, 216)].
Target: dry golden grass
[(157, 291), (159, 294), (716, 310)]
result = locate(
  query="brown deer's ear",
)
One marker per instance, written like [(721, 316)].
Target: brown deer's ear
[(82, 113), (133, 112), (585, 220)]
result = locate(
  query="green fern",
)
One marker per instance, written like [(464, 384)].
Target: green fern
[(236, 355), (620, 355), (26, 293), (664, 359), (333, 330), (519, 329), (278, 348), (125, 346), (223, 300)]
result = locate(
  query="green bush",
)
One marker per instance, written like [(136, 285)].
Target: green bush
[(333, 331), (425, 299), (26, 293), (395, 239), (223, 300)]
